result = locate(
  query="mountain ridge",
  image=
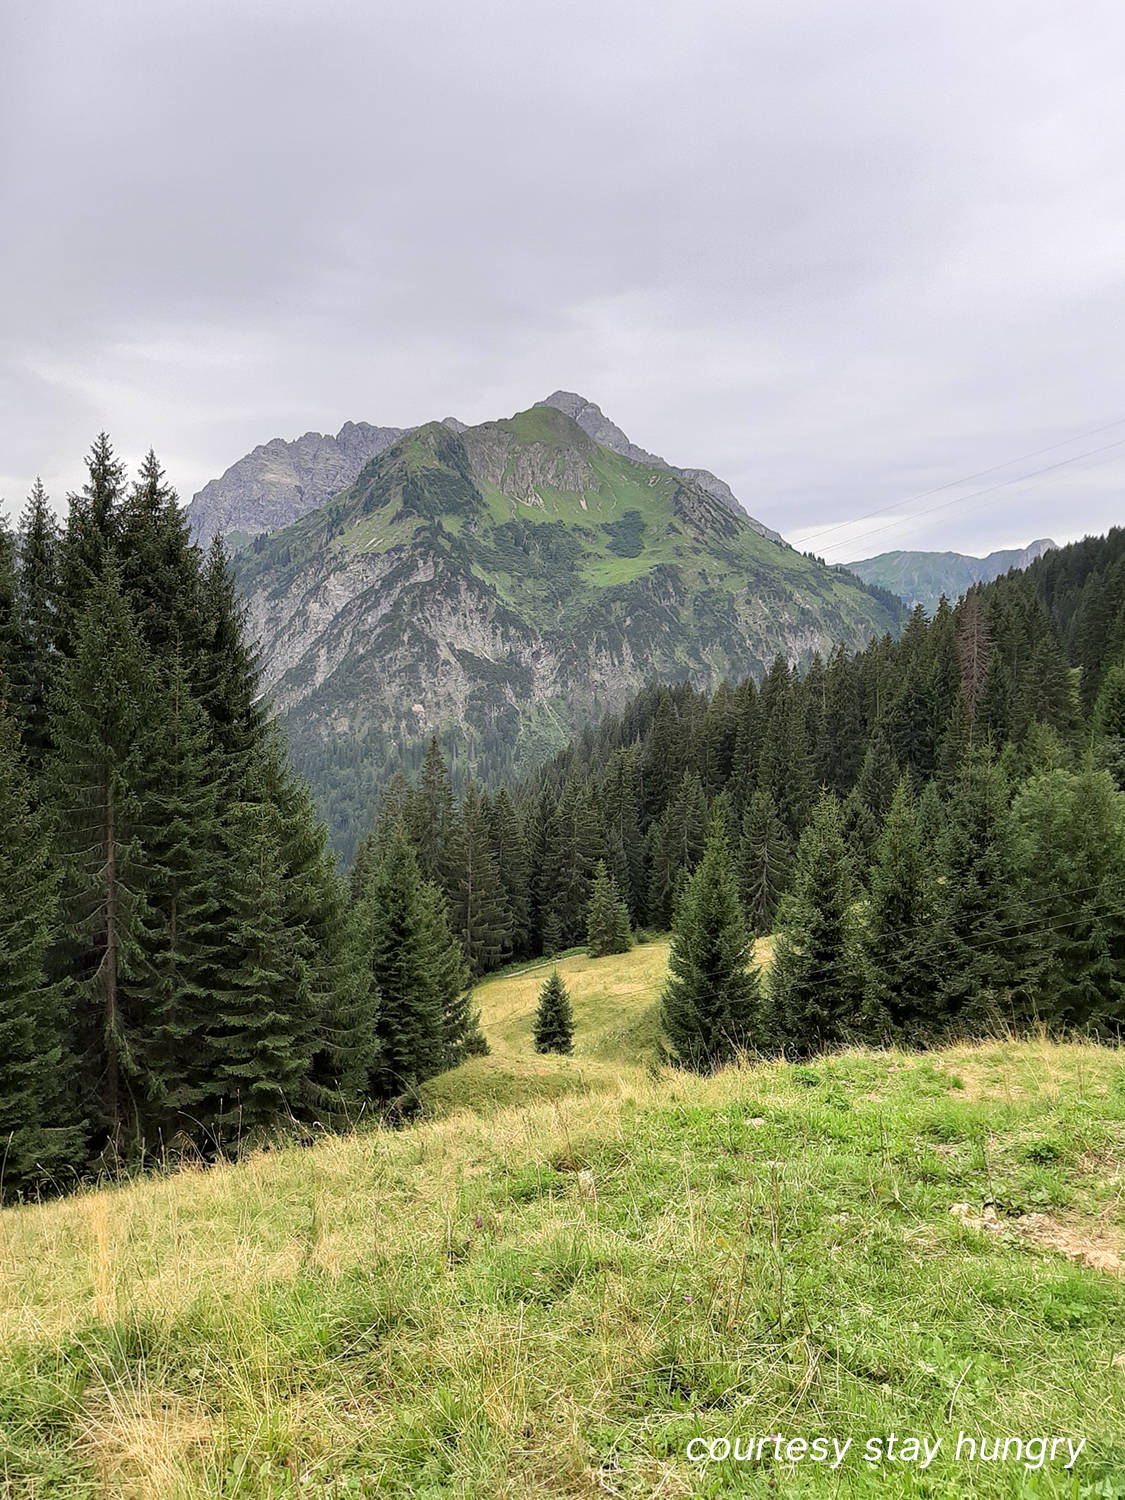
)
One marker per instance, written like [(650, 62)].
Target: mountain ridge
[(590, 417), (922, 577), (282, 480)]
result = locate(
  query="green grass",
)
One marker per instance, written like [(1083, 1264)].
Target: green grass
[(551, 1293)]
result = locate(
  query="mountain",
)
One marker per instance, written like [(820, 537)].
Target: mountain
[(503, 587), (607, 434), (922, 577), (281, 481)]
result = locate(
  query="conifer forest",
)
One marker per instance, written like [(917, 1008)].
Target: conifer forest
[(933, 828)]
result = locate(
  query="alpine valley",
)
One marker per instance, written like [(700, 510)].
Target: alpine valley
[(504, 585)]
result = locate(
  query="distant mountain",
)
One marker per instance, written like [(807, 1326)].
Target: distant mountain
[(922, 577), (503, 587), (281, 481)]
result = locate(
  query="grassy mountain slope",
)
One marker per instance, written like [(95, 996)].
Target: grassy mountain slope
[(507, 585), (922, 577), (556, 1296)]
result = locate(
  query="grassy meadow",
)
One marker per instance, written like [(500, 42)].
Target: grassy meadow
[(577, 1266)]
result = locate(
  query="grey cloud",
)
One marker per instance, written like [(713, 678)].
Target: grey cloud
[(836, 254)]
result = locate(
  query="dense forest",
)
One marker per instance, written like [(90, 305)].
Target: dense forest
[(181, 964), (933, 826)]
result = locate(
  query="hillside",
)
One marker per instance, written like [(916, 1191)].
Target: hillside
[(556, 1296), (505, 586), (923, 577)]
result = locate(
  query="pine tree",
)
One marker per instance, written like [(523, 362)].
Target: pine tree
[(227, 678), (553, 1027), (765, 858), (90, 540), (989, 955), (509, 850), (607, 917), (98, 780), (1109, 706), (1070, 840), (257, 1036), (1108, 723), (9, 619), (785, 767), (460, 1029), (179, 937), (36, 1136), (338, 1024), (38, 594), (902, 944), (478, 903), (160, 568), (816, 982), (878, 777), (406, 961), (432, 819), (710, 1007)]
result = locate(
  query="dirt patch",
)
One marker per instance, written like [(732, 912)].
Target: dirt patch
[(1098, 1246)]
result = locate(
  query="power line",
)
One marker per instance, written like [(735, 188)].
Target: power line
[(1078, 437), (975, 494)]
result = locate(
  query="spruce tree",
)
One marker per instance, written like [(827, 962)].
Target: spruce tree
[(553, 1027), (765, 858), (432, 819), (90, 539), (38, 1135), (607, 917), (989, 952), (257, 1036), (816, 982), (1070, 840), (38, 595), (179, 936), (337, 1033), (1108, 723), (461, 1033), (513, 866), (160, 568), (9, 621), (227, 679), (710, 1008), (98, 782), (406, 960), (902, 945), (479, 908)]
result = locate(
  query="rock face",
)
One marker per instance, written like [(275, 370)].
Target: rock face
[(506, 585), (922, 577), (281, 481), (593, 421)]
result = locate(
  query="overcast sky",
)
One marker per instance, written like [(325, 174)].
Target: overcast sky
[(839, 251)]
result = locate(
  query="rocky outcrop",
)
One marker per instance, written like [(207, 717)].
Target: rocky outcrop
[(279, 482), (594, 421)]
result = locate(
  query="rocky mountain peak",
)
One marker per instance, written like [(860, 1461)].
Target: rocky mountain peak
[(590, 417), (282, 480)]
